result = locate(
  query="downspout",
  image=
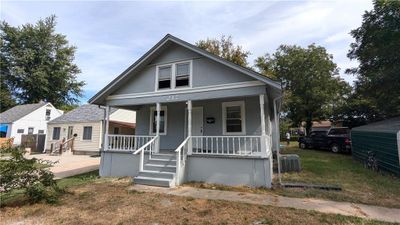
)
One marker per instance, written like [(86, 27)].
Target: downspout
[(278, 154)]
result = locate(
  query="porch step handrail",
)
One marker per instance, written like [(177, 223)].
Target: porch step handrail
[(150, 146), (121, 142), (181, 154)]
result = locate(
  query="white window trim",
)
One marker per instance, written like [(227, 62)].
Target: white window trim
[(152, 110), (173, 75), (242, 113)]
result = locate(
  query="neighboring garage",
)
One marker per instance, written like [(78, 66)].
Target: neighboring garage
[(383, 140)]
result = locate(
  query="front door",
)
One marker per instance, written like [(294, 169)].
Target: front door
[(197, 121), (70, 132)]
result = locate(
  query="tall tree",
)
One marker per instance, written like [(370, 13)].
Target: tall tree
[(376, 48), (225, 48), (37, 64), (309, 78)]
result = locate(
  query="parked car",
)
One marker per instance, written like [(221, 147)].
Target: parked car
[(335, 139)]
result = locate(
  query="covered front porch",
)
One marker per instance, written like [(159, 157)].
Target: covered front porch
[(200, 132)]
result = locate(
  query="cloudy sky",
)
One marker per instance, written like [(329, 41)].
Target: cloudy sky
[(112, 35)]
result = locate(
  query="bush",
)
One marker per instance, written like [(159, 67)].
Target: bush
[(30, 175)]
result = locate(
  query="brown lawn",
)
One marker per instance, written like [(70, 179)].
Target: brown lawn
[(108, 201)]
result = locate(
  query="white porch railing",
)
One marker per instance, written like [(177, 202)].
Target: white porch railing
[(231, 145), (150, 147), (181, 154), (118, 142)]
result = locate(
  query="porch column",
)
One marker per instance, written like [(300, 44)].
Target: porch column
[(263, 133), (189, 133), (158, 109), (106, 127)]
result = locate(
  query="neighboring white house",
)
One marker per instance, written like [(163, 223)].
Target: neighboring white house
[(85, 125), (27, 119)]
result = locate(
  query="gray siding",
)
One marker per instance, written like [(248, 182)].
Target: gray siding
[(253, 172), (205, 72), (119, 164), (176, 117)]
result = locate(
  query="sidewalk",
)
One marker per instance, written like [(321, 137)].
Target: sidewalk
[(70, 165), (324, 206)]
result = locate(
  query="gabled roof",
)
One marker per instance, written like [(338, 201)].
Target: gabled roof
[(84, 113), (159, 47), (19, 111)]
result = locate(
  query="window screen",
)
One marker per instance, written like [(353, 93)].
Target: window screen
[(233, 119), (87, 133), (20, 131), (164, 77), (182, 74), (56, 133)]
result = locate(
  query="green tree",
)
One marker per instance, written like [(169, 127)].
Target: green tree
[(312, 87), (376, 48), (37, 64), (225, 48)]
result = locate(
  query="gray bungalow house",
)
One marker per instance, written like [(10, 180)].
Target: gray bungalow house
[(198, 118)]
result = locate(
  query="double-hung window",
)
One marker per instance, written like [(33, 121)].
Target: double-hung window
[(48, 113), (87, 133), (56, 133), (233, 118), (164, 77), (163, 121), (174, 75), (182, 75)]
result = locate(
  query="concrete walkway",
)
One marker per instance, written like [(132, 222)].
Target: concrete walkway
[(69, 165), (324, 206)]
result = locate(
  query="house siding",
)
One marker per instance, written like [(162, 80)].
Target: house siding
[(80, 146), (252, 172)]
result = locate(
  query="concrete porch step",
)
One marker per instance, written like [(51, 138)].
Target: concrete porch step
[(170, 162), (163, 156), (161, 182), (160, 168), (156, 174)]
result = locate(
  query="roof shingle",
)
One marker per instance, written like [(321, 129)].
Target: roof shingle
[(84, 113), (19, 111)]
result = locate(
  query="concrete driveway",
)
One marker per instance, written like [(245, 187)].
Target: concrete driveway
[(69, 165)]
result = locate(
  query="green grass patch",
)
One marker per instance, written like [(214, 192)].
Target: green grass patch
[(80, 179), (358, 183)]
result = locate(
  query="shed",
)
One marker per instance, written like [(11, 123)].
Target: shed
[(382, 138)]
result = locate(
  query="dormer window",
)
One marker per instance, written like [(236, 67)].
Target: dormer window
[(182, 76), (174, 75), (164, 77)]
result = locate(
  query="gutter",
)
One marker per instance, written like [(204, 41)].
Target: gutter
[(278, 154)]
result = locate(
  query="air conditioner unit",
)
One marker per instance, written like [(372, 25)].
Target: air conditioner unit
[(290, 163)]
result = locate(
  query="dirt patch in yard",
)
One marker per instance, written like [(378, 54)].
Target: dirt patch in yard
[(110, 202)]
